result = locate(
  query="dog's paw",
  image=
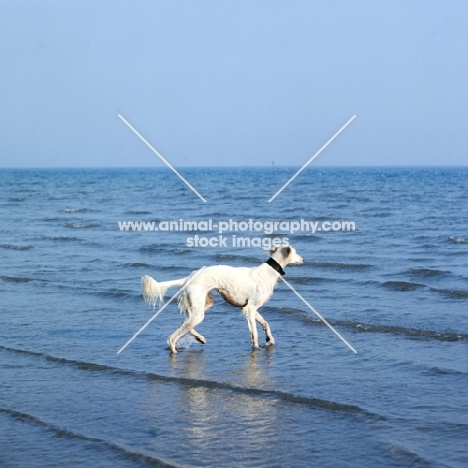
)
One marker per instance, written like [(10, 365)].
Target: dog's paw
[(172, 346)]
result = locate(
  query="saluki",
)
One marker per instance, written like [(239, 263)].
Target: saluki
[(245, 288)]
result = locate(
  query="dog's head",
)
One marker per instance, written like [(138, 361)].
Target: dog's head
[(286, 255)]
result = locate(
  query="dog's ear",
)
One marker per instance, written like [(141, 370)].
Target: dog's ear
[(286, 252), (273, 250)]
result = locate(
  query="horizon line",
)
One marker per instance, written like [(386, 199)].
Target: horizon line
[(237, 167)]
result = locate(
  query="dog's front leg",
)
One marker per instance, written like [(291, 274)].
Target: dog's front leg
[(266, 328), (197, 336), (250, 312)]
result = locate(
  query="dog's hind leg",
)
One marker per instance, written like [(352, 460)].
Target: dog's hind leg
[(192, 320), (209, 301), (195, 315), (266, 328)]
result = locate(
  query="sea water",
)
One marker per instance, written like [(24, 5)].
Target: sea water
[(395, 287)]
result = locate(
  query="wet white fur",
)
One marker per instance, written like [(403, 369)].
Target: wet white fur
[(246, 288)]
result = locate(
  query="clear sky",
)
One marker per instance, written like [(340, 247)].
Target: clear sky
[(233, 83)]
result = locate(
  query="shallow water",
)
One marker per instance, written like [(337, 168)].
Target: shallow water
[(396, 289)]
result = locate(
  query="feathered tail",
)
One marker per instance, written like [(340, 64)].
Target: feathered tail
[(154, 291)]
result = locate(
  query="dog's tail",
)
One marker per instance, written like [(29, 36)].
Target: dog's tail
[(154, 291)]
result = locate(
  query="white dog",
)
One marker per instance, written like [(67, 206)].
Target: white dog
[(246, 288)]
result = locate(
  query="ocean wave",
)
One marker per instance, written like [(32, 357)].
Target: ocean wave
[(118, 294), (427, 272), (158, 248), (412, 332), (402, 285), (244, 258), (341, 266), (309, 280), (208, 384), (440, 371), (452, 293), (16, 279), (80, 225), (307, 237), (372, 328), (101, 443), (382, 214), (369, 283), (75, 210), (458, 240), (409, 458), (288, 311), (138, 212), (16, 247), (171, 268), (182, 251), (138, 265), (65, 239)]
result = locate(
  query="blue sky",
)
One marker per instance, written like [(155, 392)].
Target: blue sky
[(233, 83)]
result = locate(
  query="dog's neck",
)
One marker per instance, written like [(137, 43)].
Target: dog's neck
[(275, 265)]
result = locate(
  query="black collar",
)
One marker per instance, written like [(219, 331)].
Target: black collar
[(275, 265)]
